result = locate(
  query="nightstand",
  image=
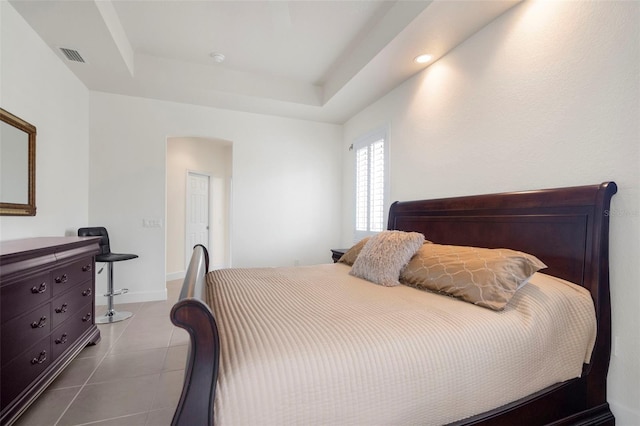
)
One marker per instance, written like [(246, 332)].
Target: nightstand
[(336, 254)]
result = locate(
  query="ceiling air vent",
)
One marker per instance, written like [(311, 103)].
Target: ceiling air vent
[(72, 55)]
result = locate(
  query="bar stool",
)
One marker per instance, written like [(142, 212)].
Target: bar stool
[(107, 257)]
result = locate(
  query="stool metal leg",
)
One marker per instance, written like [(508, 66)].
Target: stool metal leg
[(112, 315)]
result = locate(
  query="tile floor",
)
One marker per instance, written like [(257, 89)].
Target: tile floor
[(133, 376)]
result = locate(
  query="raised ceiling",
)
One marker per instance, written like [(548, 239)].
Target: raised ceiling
[(318, 60)]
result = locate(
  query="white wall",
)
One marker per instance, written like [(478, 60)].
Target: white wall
[(211, 157), (286, 177), (545, 96), (37, 87)]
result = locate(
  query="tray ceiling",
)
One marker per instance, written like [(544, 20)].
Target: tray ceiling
[(318, 60)]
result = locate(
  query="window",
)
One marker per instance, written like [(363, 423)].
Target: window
[(371, 189)]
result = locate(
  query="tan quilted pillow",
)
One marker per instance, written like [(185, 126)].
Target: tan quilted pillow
[(351, 255), (485, 277), (384, 255)]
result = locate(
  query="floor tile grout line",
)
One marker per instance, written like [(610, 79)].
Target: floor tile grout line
[(166, 349), (118, 337), (110, 353), (155, 395), (92, 373), (115, 418), (80, 390)]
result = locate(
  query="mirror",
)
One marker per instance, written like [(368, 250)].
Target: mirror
[(17, 166)]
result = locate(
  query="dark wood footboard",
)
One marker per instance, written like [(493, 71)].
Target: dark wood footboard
[(192, 313)]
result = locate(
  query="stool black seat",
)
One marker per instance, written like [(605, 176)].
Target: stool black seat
[(108, 257)]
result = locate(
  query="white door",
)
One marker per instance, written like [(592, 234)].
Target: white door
[(197, 213)]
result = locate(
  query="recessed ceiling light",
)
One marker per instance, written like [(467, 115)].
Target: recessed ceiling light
[(423, 59), (218, 57)]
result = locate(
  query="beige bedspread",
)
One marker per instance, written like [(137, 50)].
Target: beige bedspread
[(314, 345)]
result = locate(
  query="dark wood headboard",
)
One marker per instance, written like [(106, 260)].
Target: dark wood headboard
[(566, 228)]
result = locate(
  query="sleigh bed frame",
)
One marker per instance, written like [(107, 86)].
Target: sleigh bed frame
[(567, 228)]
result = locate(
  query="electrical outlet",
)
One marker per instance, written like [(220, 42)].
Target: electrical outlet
[(151, 223)]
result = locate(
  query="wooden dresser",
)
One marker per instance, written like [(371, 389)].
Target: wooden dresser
[(47, 311)]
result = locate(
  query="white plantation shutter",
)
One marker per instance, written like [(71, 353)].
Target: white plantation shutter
[(362, 189), (376, 192), (371, 184)]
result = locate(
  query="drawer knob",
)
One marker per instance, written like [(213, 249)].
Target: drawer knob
[(86, 317), (40, 359), (86, 268), (40, 289), (62, 339), (62, 309), (39, 324), (62, 279), (87, 292)]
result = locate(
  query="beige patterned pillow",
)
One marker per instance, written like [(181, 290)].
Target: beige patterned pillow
[(350, 256), (485, 277), (384, 255)]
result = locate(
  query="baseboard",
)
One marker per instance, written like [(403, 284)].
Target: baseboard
[(134, 297), (175, 276), (624, 415)]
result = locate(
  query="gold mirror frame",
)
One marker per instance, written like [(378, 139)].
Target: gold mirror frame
[(16, 209)]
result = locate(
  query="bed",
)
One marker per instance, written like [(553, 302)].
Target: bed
[(566, 228)]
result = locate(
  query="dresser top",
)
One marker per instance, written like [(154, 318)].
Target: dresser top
[(44, 244)]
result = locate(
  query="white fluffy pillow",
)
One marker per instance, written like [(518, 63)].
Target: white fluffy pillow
[(384, 255)]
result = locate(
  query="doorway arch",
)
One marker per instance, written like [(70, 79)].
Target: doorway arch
[(208, 156)]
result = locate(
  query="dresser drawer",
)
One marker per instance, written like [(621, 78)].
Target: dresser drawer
[(24, 331), (24, 369), (24, 295), (64, 306), (69, 331), (67, 276)]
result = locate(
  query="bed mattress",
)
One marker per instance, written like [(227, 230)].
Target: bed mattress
[(315, 345)]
